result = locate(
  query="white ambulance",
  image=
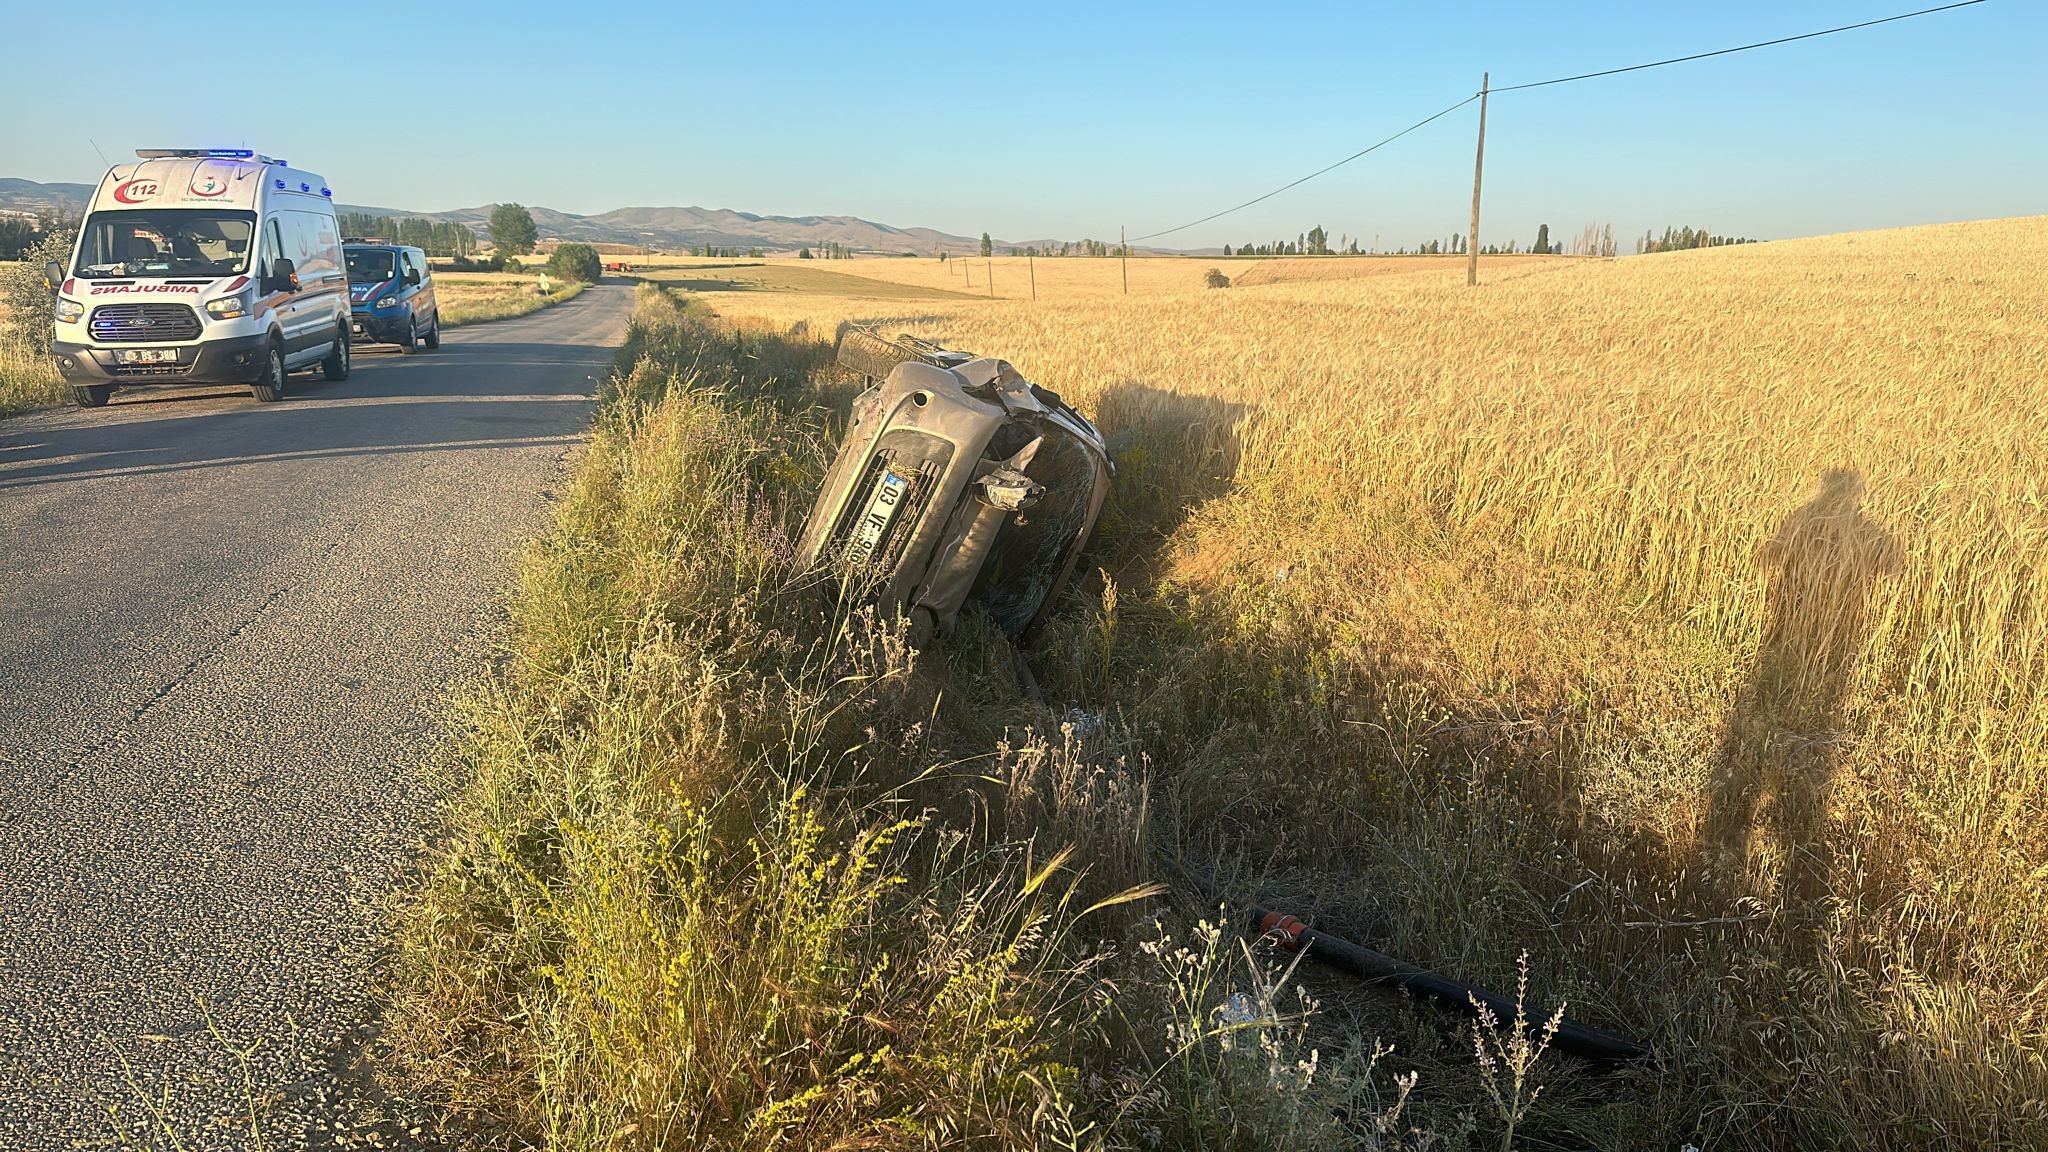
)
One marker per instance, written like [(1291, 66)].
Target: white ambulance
[(202, 266)]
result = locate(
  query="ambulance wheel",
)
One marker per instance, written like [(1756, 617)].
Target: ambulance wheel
[(335, 367), (91, 395), (270, 389), (434, 333)]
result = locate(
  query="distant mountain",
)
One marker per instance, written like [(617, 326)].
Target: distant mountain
[(663, 228), (43, 199)]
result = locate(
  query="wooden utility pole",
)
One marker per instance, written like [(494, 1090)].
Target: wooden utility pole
[(1478, 168), (1031, 262), (989, 266), (1124, 251)]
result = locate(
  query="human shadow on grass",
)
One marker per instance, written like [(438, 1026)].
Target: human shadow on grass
[(1785, 738)]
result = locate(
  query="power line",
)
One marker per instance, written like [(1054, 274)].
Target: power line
[(1546, 83), (1743, 48), (1312, 175)]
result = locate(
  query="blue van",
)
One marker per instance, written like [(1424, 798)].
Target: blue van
[(391, 295)]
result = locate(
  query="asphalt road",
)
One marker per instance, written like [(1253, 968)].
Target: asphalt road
[(226, 632)]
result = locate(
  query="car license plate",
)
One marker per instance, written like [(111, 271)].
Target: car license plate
[(147, 356), (874, 524)]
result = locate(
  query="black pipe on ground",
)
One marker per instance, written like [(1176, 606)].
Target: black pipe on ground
[(1379, 968)]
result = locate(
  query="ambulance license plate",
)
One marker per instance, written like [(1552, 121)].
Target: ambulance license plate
[(147, 356), (875, 523)]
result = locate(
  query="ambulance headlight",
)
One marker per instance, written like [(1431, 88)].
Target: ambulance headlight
[(68, 311), (228, 307)]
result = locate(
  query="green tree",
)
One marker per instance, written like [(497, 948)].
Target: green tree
[(576, 262), (1318, 241), (25, 301), (988, 247), (17, 234), (805, 254), (1542, 245), (512, 229)]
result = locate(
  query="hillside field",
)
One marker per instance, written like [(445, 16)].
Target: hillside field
[(1680, 620)]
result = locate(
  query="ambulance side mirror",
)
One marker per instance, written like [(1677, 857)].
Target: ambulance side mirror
[(53, 273), (284, 276)]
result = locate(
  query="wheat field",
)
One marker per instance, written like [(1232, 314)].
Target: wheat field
[(1682, 619)]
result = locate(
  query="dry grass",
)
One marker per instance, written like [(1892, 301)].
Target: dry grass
[(714, 879), (1067, 278), (1682, 618), (27, 377), (473, 297)]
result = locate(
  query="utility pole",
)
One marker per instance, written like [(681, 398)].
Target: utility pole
[(989, 266), (1031, 262), (1478, 168), (1125, 251)]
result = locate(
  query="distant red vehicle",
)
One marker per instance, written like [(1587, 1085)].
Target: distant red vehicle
[(617, 267)]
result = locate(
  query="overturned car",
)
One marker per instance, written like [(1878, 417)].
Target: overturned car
[(958, 479)]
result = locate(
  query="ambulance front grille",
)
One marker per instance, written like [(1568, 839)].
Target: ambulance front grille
[(144, 324)]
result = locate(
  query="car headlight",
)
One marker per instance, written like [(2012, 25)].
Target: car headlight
[(68, 311), (387, 302), (228, 307)]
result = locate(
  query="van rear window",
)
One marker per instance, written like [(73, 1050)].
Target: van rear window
[(165, 242)]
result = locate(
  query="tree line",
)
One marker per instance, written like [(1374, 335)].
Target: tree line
[(435, 237), (1592, 240), (1679, 239), (1048, 250)]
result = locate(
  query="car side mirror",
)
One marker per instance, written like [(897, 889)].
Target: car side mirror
[(284, 276), (53, 273), (412, 279)]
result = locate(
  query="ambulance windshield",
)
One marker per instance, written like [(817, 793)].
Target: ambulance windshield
[(165, 242)]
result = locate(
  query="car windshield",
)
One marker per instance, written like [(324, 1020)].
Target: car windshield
[(370, 265), (165, 242)]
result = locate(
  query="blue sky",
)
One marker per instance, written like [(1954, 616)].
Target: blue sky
[(1057, 120)]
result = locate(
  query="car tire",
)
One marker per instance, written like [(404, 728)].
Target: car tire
[(410, 342), (434, 333), (270, 389), (91, 395), (336, 366)]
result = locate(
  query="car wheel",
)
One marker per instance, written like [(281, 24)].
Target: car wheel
[(434, 333), (270, 389), (92, 395), (410, 342), (335, 367)]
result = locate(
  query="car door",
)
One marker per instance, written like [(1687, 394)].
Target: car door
[(424, 308), (326, 306), (278, 298)]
